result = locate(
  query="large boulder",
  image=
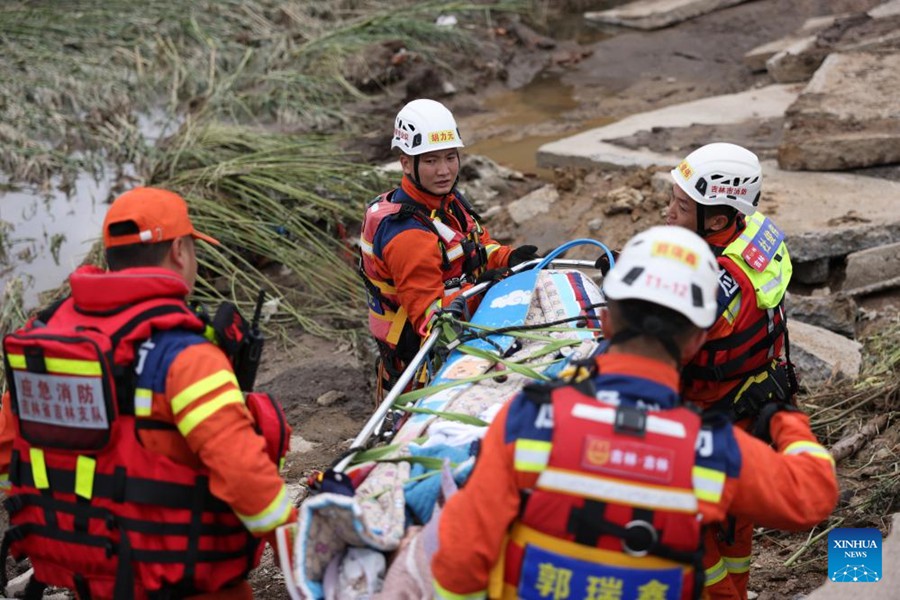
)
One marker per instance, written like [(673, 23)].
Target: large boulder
[(847, 116), (820, 355)]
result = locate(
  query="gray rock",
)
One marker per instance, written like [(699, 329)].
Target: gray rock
[(655, 14), (834, 312), (796, 62), (756, 58), (872, 270), (595, 224), (812, 272), (820, 355), (533, 204), (330, 397), (847, 116)]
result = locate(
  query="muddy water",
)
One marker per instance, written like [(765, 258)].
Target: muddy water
[(48, 236), (520, 121)]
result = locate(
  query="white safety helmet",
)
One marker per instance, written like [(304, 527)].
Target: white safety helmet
[(670, 266), (721, 173), (425, 126)]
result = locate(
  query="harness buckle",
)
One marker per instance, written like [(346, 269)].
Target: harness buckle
[(640, 537)]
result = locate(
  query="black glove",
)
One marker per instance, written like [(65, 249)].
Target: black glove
[(603, 262), (522, 254), (459, 309), (761, 427), (493, 275)]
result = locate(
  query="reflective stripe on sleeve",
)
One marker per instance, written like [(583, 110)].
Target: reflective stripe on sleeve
[(812, 448), (531, 456), (708, 483), (4, 482), (194, 417), (442, 594), (202, 387), (716, 573), (275, 514)]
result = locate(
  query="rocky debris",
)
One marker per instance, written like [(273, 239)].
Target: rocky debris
[(888, 9), (533, 204), (330, 397), (847, 116), (872, 270), (655, 14), (482, 180), (796, 62), (820, 355), (622, 200), (886, 589), (834, 312), (757, 58)]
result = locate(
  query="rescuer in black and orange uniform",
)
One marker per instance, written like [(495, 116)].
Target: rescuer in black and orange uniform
[(599, 487), (742, 365), (133, 460), (422, 243)]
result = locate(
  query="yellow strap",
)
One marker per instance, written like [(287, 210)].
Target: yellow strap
[(84, 477), (400, 318), (38, 468), (495, 577)]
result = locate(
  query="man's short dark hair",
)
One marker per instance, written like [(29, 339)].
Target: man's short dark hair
[(134, 255), (651, 319)]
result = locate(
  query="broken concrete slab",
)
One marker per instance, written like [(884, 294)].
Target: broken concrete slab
[(595, 147), (828, 215), (847, 116), (834, 312), (888, 9), (886, 589), (756, 58), (872, 270), (820, 355), (533, 204), (812, 272), (656, 14)]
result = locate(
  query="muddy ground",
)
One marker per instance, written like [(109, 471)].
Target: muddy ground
[(623, 73)]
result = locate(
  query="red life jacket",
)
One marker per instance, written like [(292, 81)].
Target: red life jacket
[(463, 258), (93, 509), (614, 509), (756, 314)]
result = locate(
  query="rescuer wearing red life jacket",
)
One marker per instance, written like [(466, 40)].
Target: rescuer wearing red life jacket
[(422, 243), (598, 487), (134, 465), (741, 367)]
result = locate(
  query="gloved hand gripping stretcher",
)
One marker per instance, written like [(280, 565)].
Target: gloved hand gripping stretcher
[(419, 445)]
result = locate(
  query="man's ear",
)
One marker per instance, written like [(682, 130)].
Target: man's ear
[(406, 163), (606, 324), (177, 254), (716, 223)]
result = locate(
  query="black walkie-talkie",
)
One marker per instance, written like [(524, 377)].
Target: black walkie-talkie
[(249, 354)]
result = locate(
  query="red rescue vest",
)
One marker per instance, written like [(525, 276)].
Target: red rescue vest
[(92, 508), (614, 506)]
